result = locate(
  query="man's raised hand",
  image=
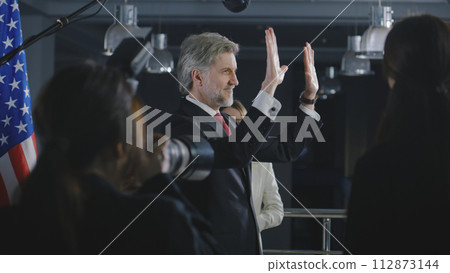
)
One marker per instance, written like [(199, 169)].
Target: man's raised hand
[(274, 73)]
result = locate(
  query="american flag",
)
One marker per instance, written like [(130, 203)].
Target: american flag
[(17, 141)]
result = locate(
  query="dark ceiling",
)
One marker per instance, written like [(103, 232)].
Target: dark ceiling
[(295, 22)]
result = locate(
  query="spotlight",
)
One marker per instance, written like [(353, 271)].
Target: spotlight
[(236, 5)]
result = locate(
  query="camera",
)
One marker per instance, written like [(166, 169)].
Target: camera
[(188, 159)]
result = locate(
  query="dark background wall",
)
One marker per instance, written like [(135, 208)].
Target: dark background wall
[(321, 177)]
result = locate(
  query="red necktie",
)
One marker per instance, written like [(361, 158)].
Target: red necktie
[(220, 119)]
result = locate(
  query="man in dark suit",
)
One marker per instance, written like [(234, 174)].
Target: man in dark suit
[(206, 71)]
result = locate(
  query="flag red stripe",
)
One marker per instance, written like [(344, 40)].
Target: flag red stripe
[(33, 137), (4, 198), (19, 163)]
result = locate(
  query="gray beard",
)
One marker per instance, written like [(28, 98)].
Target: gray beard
[(217, 98), (225, 102)]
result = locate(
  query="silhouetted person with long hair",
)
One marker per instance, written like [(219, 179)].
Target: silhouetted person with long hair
[(72, 201), (401, 187)]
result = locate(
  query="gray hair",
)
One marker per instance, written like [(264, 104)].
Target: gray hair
[(199, 52)]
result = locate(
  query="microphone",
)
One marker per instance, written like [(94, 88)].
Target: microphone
[(236, 5)]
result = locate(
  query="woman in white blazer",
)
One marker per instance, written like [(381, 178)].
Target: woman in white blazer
[(266, 198)]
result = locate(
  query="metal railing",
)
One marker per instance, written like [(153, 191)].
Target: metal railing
[(326, 215)]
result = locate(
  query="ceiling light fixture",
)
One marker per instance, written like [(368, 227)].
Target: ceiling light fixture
[(350, 64), (127, 16), (162, 60), (372, 42), (236, 5)]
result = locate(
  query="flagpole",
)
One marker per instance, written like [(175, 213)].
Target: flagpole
[(60, 23)]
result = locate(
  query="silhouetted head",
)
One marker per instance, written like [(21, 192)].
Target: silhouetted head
[(417, 65), (417, 53), (82, 111)]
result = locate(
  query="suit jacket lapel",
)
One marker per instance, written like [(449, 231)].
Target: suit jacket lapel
[(187, 108)]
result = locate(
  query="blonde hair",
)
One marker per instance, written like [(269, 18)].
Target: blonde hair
[(240, 107)]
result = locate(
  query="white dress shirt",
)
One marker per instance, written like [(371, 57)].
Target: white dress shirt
[(264, 102)]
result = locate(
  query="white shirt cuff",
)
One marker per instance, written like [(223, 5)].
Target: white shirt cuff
[(310, 112), (267, 104)]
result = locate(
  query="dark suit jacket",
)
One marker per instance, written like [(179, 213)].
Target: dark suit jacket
[(224, 197)]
